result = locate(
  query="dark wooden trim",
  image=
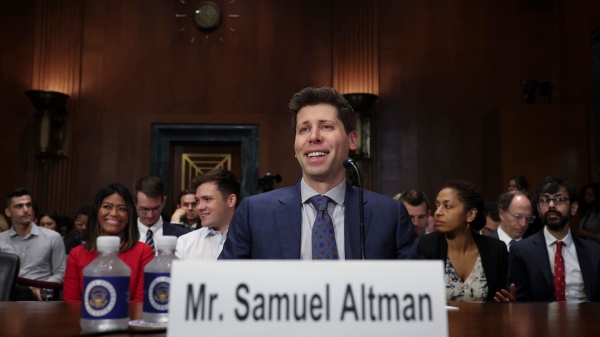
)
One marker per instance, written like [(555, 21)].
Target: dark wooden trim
[(163, 135)]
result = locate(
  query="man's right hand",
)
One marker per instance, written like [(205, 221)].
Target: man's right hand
[(177, 215)]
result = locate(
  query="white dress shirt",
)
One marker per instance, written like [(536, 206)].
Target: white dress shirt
[(574, 287), (505, 238), (157, 230), (309, 214), (202, 244)]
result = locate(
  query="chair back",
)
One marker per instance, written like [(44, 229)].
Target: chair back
[(9, 270)]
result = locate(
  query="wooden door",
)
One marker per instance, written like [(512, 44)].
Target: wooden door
[(189, 160)]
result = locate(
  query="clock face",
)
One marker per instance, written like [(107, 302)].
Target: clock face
[(207, 17)]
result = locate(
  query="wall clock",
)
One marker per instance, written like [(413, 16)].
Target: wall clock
[(207, 18)]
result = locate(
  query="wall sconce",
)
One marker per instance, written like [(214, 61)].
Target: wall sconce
[(362, 103), (51, 122)]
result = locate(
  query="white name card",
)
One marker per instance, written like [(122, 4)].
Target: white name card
[(307, 298)]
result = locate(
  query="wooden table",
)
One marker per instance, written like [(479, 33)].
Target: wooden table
[(472, 319)]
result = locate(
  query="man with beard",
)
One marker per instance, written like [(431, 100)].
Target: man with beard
[(553, 264)]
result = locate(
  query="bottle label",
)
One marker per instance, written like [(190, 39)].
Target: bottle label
[(105, 297), (156, 292)]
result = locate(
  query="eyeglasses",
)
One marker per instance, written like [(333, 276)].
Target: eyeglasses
[(144, 210), (79, 223), (545, 201), (519, 217)]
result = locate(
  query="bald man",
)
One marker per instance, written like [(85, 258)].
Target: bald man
[(516, 212)]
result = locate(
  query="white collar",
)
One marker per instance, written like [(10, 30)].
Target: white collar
[(337, 194), (550, 239), (157, 226)]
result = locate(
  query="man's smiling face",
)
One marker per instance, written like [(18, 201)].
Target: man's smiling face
[(321, 144)]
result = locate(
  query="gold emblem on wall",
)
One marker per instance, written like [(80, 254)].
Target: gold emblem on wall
[(193, 164)]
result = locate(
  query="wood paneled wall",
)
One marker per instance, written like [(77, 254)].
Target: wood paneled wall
[(57, 67), (437, 66), (138, 65), (356, 65), (444, 65)]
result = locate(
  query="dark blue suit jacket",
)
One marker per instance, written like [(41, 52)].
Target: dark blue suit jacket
[(529, 268), (494, 234), (171, 229), (269, 225)]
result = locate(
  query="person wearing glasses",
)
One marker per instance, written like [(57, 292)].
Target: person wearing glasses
[(516, 213), (81, 222), (553, 264), (149, 201)]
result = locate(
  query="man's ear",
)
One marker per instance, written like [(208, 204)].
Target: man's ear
[(353, 140), (574, 207), (501, 214), (231, 201), (164, 200), (7, 212)]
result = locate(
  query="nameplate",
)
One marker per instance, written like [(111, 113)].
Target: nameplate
[(307, 298)]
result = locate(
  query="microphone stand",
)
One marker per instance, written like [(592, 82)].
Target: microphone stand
[(350, 164)]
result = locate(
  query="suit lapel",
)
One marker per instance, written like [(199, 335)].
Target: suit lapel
[(585, 266), (288, 223), (540, 251), (352, 223)]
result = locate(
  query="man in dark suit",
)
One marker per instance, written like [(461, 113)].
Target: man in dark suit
[(318, 218), (149, 201), (553, 264)]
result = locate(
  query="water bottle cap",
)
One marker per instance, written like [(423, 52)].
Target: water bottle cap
[(166, 243), (108, 243)]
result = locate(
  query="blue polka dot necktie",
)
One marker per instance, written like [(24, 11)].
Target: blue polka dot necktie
[(323, 234)]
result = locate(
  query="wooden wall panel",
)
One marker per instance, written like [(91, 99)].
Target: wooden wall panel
[(356, 65), (17, 36), (56, 67), (139, 68), (443, 66)]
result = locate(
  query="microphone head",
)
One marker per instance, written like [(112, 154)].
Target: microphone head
[(349, 163)]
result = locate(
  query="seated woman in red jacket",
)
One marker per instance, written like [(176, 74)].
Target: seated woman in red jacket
[(113, 214)]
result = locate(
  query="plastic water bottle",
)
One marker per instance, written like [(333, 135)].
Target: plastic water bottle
[(105, 298), (157, 279)]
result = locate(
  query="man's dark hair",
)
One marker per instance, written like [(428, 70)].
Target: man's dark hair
[(469, 194), (491, 210), (414, 197), (552, 185), (313, 96), (52, 215), (85, 210), (151, 186), (521, 182), (227, 182), (131, 233), (184, 193), (17, 192)]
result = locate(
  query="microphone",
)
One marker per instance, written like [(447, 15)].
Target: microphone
[(351, 165)]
